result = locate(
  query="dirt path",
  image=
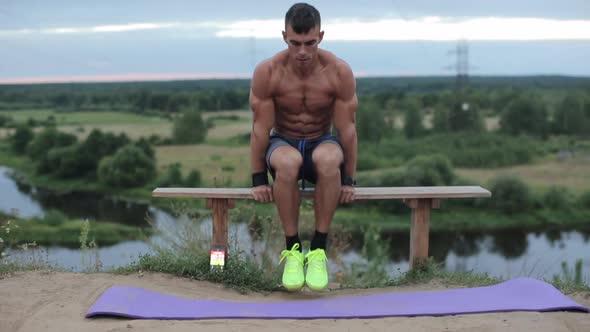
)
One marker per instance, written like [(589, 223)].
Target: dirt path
[(55, 301)]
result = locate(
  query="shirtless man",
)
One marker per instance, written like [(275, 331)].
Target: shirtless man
[(296, 97)]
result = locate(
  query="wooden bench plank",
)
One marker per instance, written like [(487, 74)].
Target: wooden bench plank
[(360, 192)]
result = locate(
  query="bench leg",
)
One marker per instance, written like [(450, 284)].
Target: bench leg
[(220, 207), (419, 231)]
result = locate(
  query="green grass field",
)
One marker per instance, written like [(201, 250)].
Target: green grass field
[(220, 160), (82, 118), (573, 174)]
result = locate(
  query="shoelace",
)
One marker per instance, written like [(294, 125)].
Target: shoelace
[(316, 259), (291, 253)]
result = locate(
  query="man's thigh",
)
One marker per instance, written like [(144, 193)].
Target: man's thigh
[(282, 155), (321, 152)]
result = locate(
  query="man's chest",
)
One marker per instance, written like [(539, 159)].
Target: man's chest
[(304, 96)]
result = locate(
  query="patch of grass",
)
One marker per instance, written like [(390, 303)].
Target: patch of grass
[(135, 131), (571, 281), (228, 130), (10, 159), (8, 269), (201, 157), (67, 232), (569, 286), (573, 174), (83, 117), (239, 273), (430, 270)]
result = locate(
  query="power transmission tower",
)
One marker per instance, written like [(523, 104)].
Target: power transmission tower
[(463, 115), (461, 67)]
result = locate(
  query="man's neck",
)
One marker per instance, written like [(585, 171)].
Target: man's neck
[(304, 72)]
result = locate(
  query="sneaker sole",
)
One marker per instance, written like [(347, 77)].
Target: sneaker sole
[(293, 288)]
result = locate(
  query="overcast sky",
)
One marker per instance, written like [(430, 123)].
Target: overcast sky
[(69, 40)]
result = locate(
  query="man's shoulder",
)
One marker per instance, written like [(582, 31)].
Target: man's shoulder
[(339, 65), (273, 63)]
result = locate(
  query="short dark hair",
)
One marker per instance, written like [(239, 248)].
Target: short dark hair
[(302, 17)]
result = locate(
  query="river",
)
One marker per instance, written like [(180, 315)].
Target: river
[(505, 254)]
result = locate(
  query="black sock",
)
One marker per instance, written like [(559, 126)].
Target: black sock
[(319, 241), (291, 240)]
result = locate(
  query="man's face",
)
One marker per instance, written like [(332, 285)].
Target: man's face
[(303, 47)]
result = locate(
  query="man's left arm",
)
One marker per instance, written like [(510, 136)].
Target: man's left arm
[(345, 106)]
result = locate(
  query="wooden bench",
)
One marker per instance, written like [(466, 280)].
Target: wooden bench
[(419, 199)]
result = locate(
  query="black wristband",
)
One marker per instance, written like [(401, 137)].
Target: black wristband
[(348, 181), (259, 179)]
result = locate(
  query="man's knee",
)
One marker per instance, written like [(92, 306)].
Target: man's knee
[(327, 161), (287, 165)]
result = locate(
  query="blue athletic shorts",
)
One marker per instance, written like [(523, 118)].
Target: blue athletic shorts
[(305, 147)]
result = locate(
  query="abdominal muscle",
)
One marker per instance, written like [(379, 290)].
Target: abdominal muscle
[(303, 125)]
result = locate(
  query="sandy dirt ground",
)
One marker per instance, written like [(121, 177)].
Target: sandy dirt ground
[(56, 301)]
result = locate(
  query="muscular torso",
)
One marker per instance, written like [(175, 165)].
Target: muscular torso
[(304, 107)]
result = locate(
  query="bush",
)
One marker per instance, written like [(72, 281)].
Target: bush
[(129, 167), (557, 198), (54, 218), (525, 115), (64, 162), (189, 128), (5, 120), (413, 126), (434, 170), (421, 171), (584, 200), (45, 141), (367, 160), (21, 139), (172, 177), (464, 149), (509, 195), (371, 124), (193, 179)]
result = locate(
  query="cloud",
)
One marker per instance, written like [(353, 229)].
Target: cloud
[(113, 28), (427, 28), (431, 28)]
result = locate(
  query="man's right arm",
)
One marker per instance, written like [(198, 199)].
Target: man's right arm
[(262, 105)]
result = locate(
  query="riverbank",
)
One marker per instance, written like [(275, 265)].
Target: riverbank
[(56, 301), (454, 215)]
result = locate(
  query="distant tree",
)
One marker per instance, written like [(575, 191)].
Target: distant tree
[(142, 101), (525, 115), (96, 146), (413, 126), (172, 177), (129, 167), (371, 124), (440, 121), (429, 99), (178, 102), (145, 145), (43, 142), (570, 117), (193, 179), (465, 116), (5, 120), (159, 101), (61, 100), (21, 139), (189, 128), (64, 162)]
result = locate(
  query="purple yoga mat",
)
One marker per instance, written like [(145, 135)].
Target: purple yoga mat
[(521, 294)]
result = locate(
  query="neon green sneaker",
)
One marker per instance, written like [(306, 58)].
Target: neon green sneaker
[(293, 276), (317, 270)]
